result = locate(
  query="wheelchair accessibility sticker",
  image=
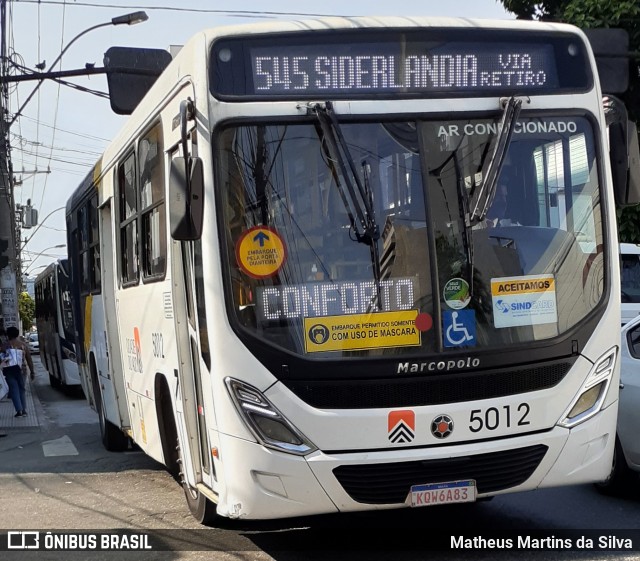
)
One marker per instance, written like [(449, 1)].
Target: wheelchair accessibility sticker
[(459, 328)]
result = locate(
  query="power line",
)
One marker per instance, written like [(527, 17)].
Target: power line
[(22, 141), (76, 173), (57, 107), (82, 135), (52, 159), (230, 13)]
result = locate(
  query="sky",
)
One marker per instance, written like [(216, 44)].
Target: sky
[(63, 131)]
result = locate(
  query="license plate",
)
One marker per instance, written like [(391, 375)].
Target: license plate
[(443, 493)]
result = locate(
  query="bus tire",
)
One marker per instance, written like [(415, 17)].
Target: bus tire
[(113, 439), (621, 478), (53, 381), (58, 372), (201, 508), (167, 426)]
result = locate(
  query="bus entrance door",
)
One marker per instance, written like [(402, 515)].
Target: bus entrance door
[(193, 380)]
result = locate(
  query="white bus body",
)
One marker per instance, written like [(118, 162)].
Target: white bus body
[(338, 339), (54, 319)]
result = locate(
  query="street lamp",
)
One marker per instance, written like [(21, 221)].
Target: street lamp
[(59, 246), (26, 273), (26, 241), (128, 19)]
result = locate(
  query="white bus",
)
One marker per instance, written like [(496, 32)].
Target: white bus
[(54, 320), (357, 264)]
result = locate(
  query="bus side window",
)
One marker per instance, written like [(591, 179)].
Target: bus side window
[(152, 204), (128, 220), (93, 246)]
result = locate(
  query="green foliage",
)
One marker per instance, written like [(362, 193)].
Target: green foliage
[(601, 13), (527, 9), (582, 13), (27, 310), (629, 224)]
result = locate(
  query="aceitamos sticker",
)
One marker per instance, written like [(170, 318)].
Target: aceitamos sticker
[(528, 300)]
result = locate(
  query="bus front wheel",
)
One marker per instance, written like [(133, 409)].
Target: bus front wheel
[(201, 508)]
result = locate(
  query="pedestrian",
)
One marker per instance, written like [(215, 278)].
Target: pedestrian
[(4, 340), (4, 343), (16, 351)]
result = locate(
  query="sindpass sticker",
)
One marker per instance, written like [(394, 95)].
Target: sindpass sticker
[(526, 300)]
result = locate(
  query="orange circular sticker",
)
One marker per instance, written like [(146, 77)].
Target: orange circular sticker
[(260, 252)]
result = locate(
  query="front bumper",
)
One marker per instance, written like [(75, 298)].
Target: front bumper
[(263, 484)]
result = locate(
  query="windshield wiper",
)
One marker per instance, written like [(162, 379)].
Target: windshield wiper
[(357, 202), (463, 207), (491, 172), (357, 198)]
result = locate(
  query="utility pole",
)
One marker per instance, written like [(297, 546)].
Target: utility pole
[(8, 289)]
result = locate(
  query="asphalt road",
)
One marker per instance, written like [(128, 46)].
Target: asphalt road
[(56, 475)]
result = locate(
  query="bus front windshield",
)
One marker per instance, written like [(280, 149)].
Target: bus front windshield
[(360, 239)]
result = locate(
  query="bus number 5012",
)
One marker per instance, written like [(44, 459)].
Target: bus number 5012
[(158, 345), (495, 417)]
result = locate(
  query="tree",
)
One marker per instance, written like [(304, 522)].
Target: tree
[(27, 310), (588, 14), (527, 9)]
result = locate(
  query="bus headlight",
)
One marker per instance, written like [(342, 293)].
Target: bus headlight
[(594, 390), (270, 427)]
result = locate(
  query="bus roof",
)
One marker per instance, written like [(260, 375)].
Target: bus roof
[(196, 49)]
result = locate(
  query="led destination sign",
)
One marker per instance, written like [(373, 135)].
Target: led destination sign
[(318, 69), (325, 65)]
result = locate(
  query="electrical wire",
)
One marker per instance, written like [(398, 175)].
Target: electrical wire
[(23, 141), (38, 103), (52, 159), (57, 105), (229, 13), (81, 135)]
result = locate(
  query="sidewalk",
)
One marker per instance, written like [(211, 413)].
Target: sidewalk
[(7, 412)]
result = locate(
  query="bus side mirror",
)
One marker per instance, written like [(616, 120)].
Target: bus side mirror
[(186, 199), (611, 50), (625, 162)]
